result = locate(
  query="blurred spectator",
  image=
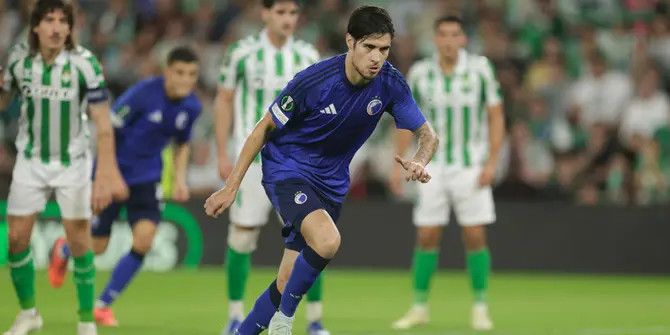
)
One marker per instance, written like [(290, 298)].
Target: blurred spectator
[(600, 95), (648, 111)]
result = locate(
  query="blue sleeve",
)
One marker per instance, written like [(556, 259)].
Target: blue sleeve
[(129, 106), (404, 109), (184, 136), (292, 101)]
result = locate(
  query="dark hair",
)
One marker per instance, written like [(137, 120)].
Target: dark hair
[(40, 10), (447, 19), (270, 3), (369, 20), (182, 54)]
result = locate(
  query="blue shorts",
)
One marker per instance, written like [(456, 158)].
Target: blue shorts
[(294, 199), (142, 203)]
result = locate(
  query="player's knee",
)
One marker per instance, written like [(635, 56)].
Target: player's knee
[(474, 237), (243, 239), (328, 246), (428, 238), (78, 245), (142, 244), (143, 236), (18, 240), (100, 244)]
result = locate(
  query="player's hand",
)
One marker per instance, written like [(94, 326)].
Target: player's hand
[(225, 166), (219, 201), (487, 175), (414, 170), (180, 192), (395, 181), (119, 188), (101, 196)]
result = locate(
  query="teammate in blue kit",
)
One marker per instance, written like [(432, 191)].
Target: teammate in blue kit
[(308, 138), (146, 118)]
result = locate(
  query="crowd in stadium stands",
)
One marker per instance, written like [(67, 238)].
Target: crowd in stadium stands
[(585, 82)]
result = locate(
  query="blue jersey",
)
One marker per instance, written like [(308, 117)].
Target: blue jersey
[(322, 120), (145, 120)]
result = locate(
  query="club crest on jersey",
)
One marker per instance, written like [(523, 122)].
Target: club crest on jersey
[(287, 103), (180, 120), (66, 78), (374, 106), (156, 116), (300, 198)]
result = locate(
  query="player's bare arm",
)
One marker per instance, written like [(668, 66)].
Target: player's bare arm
[(181, 155), (5, 93), (416, 168), (223, 118), (5, 97), (108, 183), (221, 199), (402, 139), (496, 120)]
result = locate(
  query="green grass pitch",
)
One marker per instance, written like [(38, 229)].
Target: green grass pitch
[(361, 302)]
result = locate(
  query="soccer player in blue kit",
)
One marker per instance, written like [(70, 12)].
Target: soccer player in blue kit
[(308, 138), (146, 118)]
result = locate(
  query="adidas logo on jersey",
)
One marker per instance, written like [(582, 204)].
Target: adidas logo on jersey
[(329, 110)]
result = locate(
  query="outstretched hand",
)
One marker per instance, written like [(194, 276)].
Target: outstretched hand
[(219, 201), (414, 170)]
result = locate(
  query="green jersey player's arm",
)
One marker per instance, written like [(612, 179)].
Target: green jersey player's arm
[(223, 198), (8, 85), (223, 120), (6, 89), (494, 109), (231, 70), (108, 180), (107, 169)]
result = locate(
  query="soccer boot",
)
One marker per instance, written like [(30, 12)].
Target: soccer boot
[(480, 317), (25, 322), (57, 264), (316, 328), (231, 327), (87, 328), (416, 316), (104, 316), (280, 324)]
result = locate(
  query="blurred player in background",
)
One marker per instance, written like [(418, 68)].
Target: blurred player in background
[(57, 81), (255, 70), (146, 118), (314, 128), (460, 95)]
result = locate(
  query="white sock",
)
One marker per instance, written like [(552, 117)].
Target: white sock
[(314, 311), (420, 307), (236, 309), (31, 311), (100, 304)]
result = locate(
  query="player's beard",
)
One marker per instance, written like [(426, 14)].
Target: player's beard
[(362, 74)]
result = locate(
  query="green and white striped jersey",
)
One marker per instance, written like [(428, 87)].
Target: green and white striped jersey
[(258, 71), (455, 105), (54, 98)]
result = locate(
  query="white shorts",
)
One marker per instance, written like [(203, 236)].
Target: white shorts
[(252, 206), (455, 188), (33, 182)]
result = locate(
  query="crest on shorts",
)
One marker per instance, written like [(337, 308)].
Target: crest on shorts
[(300, 198)]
